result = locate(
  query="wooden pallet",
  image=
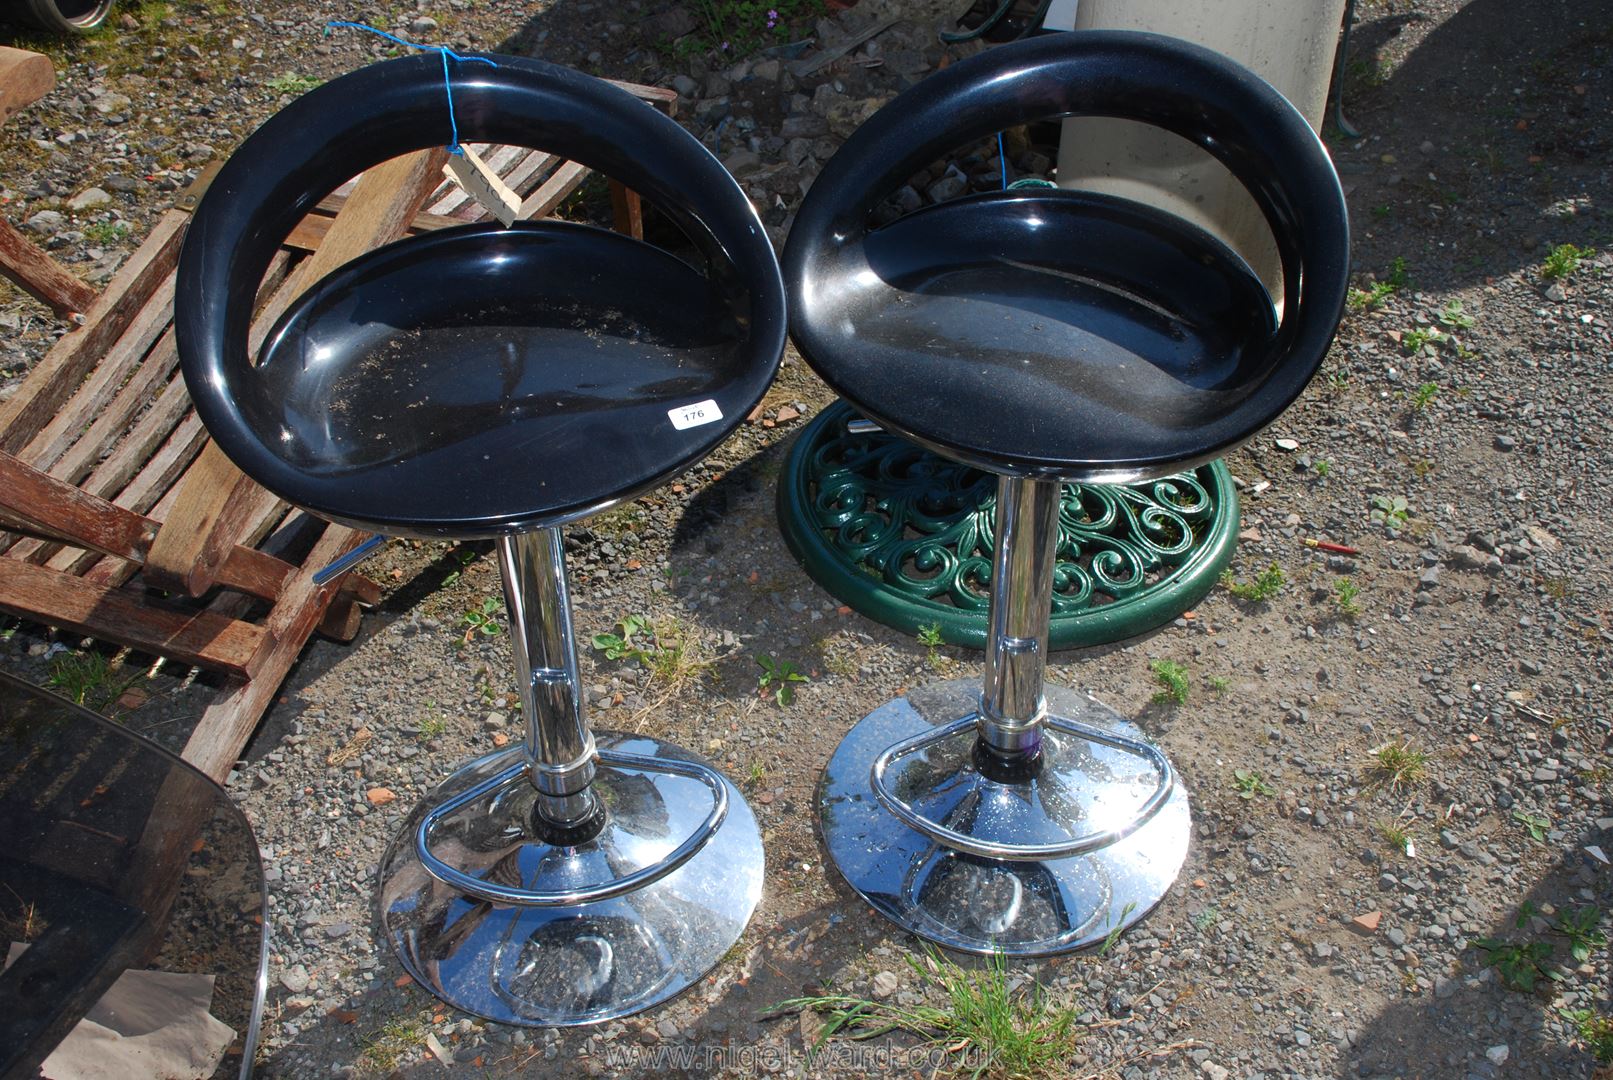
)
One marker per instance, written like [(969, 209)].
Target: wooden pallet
[(131, 527)]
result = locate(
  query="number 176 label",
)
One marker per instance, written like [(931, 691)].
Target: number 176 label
[(688, 416)]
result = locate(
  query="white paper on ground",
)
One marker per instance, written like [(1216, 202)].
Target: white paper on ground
[(151, 1025)]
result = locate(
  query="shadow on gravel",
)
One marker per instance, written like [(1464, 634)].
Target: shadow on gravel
[(1448, 1031), (1515, 104), (404, 601), (380, 1028), (693, 537)]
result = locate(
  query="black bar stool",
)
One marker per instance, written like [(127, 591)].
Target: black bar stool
[(1047, 336), (487, 382)]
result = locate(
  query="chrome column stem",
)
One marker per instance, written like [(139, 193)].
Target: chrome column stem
[(1012, 704), (559, 747)]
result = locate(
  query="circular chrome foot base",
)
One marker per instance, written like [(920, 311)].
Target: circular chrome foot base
[(976, 904), (566, 964)]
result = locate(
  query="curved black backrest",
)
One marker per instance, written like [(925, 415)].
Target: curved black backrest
[(1184, 88), (369, 116)]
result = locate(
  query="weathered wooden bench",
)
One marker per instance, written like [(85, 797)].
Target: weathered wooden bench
[(127, 525)]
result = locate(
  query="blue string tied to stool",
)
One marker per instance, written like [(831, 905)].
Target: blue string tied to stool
[(447, 80)]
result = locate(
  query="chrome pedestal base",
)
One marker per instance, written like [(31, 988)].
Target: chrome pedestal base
[(976, 904), (561, 963)]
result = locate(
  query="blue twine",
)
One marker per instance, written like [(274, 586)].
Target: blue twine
[(1002, 159), (447, 81)]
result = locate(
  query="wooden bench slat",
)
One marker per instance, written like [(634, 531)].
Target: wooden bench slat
[(106, 529), (154, 452), (56, 376), (106, 382), (41, 276), (73, 513), (555, 190), (228, 722), (144, 390), (201, 638), (147, 460)]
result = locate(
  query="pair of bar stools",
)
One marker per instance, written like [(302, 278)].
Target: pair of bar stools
[(489, 382)]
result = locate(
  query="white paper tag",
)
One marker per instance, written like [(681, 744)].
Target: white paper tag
[(685, 417), (483, 184)]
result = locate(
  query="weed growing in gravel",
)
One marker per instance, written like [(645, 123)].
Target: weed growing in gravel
[(664, 651), (625, 642), (1321, 467), (385, 1047), (1346, 600), (756, 775), (1248, 783), (839, 657), (483, 619), (1205, 919), (986, 1028), (89, 679), (434, 725), (778, 679), (1564, 260), (463, 557), (736, 28), (105, 232), (1173, 684), (1583, 931), (486, 690), (1266, 584), (1217, 684), (291, 82), (1398, 836), (1595, 1031), (1424, 395), (1537, 824), (1452, 315), (1413, 341), (930, 637), (675, 658), (1367, 299), (1558, 588), (1114, 933), (1520, 966), (1398, 766), (1390, 511)]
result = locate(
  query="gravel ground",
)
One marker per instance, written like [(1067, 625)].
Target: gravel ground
[(1326, 922)]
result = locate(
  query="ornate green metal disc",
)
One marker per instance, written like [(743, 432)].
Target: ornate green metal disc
[(905, 537)]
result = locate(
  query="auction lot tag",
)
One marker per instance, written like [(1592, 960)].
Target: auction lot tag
[(688, 416)]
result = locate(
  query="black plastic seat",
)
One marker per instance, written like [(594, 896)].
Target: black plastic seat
[(493, 351), (477, 381), (1059, 333)]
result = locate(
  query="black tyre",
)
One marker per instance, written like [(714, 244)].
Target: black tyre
[(61, 16)]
